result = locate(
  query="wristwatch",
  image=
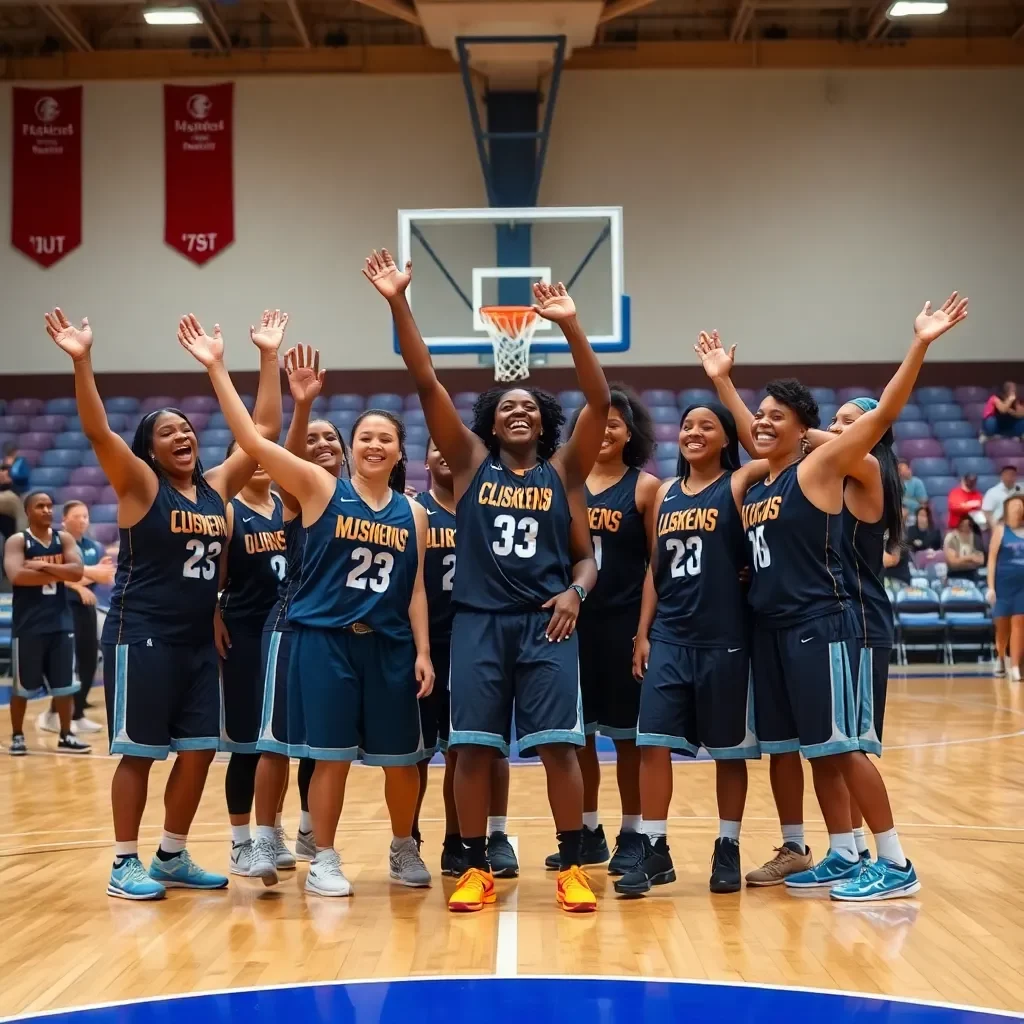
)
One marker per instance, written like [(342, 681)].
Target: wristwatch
[(579, 590)]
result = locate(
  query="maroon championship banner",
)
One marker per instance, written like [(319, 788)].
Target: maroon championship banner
[(199, 172), (46, 173)]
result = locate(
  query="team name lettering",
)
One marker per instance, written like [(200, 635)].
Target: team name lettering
[(52, 559), (263, 541), (193, 522), (761, 511), (507, 496), (607, 519), (441, 537), (369, 532), (688, 519)]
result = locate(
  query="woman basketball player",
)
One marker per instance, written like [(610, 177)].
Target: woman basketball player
[(435, 709), (807, 696), (360, 648), (692, 645), (39, 562), (518, 594), (282, 729), (1006, 582), (620, 497), (159, 660)]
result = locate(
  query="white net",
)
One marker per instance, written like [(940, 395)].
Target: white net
[(511, 329)]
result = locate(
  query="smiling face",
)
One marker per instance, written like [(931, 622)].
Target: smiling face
[(174, 445), (440, 472), (616, 435), (702, 438), (517, 422), (375, 447), (39, 511), (323, 446), (844, 417), (776, 430)]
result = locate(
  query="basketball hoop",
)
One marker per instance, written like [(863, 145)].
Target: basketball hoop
[(511, 329)]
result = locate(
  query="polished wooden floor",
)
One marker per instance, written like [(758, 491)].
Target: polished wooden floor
[(954, 764)]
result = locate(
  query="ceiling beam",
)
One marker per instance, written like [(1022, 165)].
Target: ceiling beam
[(70, 30), (396, 8), (300, 25), (214, 27), (741, 21), (617, 8), (1019, 34), (879, 23)]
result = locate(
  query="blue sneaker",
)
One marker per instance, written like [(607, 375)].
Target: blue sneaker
[(826, 873), (880, 880), (181, 873), (129, 881)]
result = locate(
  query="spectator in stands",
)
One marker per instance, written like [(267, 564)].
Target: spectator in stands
[(14, 474), (913, 488), (995, 497), (923, 534), (896, 566), (964, 500), (1003, 415), (964, 556)]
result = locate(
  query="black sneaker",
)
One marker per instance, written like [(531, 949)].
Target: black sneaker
[(17, 747), (725, 866), (453, 857), (501, 856), (629, 851), (593, 850), (71, 744), (656, 868)]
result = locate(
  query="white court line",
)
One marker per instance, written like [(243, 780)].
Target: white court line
[(506, 955)]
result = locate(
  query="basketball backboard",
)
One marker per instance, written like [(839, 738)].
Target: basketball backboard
[(467, 258)]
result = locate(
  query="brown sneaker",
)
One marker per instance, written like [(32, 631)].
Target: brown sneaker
[(785, 862)]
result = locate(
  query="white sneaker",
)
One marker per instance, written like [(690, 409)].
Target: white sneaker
[(285, 857), (263, 863), (998, 668), (241, 858), (325, 877), (1015, 674), (305, 846), (85, 725), (48, 721)]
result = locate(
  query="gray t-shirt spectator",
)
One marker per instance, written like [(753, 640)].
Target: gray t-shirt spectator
[(995, 497)]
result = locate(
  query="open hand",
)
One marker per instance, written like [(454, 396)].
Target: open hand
[(384, 275), (305, 378), (198, 343), (553, 302), (641, 656), (76, 341), (928, 326), (563, 619), (270, 333), (716, 361), (424, 675)]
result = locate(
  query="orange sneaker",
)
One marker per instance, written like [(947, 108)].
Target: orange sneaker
[(573, 891), (475, 888)]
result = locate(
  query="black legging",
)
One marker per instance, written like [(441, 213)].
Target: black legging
[(87, 649), (240, 782)]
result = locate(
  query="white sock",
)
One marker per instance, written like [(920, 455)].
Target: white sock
[(631, 822), (240, 834), (305, 822), (794, 834), (1015, 673), (397, 841), (591, 819), (654, 829), (888, 844), (497, 823), (860, 838), (127, 849), (170, 842), (729, 830), (843, 844), (266, 832)]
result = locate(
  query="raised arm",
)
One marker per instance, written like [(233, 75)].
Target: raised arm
[(305, 382), (14, 564), (310, 484), (718, 365), (461, 448), (234, 472), (578, 454), (419, 617), (134, 482)]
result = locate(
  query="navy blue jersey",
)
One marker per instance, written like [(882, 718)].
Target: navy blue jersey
[(91, 552), (439, 566), (701, 552), (167, 571), (257, 565), (861, 554), (513, 539), (358, 566), (794, 549), (295, 544), (37, 610), (620, 545), (1010, 562)]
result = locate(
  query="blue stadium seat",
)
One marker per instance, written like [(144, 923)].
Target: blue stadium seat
[(70, 458), (665, 414), (385, 400), (413, 417), (121, 404), (71, 440), (666, 468), (658, 396), (967, 618), (919, 623), (962, 446), (416, 451), (249, 401), (666, 432), (906, 431), (61, 407), (13, 424), (570, 414), (933, 395), (89, 458), (751, 399), (910, 412), (666, 450), (827, 413), (49, 476), (216, 439), (695, 396), (346, 401), (943, 411), (953, 428), (930, 467), (974, 464), (939, 487), (987, 480), (411, 402), (465, 399), (416, 433), (211, 457), (570, 398), (971, 394), (216, 422), (826, 395), (103, 514), (343, 419)]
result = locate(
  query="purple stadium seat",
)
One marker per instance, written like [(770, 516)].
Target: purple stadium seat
[(666, 432), (751, 399), (695, 396), (658, 396), (979, 465), (922, 559), (1017, 461), (962, 446), (666, 468), (347, 401), (79, 492), (91, 476), (103, 513), (121, 403), (942, 411), (912, 430), (47, 424), (666, 450), (198, 403), (652, 468), (60, 407), (411, 402), (288, 404), (465, 399), (570, 398), (70, 458), (920, 448), (1000, 447), (107, 495), (48, 476), (953, 428), (844, 395), (37, 439), (105, 533), (30, 455), (933, 395), (5, 440), (665, 414), (971, 394), (71, 439), (25, 407), (930, 466), (14, 424), (155, 402), (199, 420), (973, 412)]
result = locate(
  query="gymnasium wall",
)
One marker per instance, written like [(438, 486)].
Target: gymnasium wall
[(804, 214)]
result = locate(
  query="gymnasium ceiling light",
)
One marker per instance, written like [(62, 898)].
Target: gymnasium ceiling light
[(172, 16), (917, 8)]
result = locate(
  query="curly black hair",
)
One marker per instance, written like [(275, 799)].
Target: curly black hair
[(788, 391), (551, 419), (640, 447), (396, 481), (142, 448)]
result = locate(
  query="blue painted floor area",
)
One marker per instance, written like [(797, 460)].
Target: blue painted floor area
[(537, 1000)]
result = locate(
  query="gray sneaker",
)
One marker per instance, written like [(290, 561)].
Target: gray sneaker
[(407, 865), (263, 860), (325, 876), (241, 858), (305, 846), (285, 858)]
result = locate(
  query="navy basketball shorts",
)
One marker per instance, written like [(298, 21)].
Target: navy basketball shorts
[(241, 680), (805, 680), (695, 697), (1009, 598), (504, 661), (435, 708), (282, 727), (358, 694), (872, 684), (611, 696), (44, 661), (161, 697)]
